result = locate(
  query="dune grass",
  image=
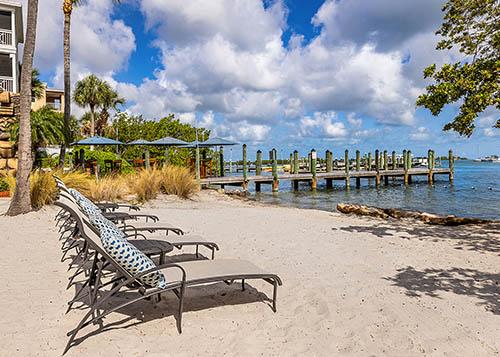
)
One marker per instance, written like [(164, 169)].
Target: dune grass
[(177, 180), (144, 185), (109, 188)]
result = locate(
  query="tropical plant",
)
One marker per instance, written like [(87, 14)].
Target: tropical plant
[(95, 93), (109, 188), (21, 200), (37, 86), (178, 180), (472, 26), (145, 184), (46, 128)]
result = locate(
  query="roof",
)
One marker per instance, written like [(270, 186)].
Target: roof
[(54, 90)]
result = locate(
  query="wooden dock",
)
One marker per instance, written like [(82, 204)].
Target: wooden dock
[(382, 168)]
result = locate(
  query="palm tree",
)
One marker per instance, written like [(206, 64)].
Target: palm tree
[(37, 85), (111, 101), (90, 92), (46, 128), (68, 10), (21, 201), (96, 93)]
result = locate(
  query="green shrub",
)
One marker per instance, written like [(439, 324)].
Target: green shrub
[(4, 185), (101, 156)]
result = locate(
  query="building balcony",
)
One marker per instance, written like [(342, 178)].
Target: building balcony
[(5, 37), (6, 84)]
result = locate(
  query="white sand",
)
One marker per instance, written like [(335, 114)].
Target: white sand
[(352, 286)]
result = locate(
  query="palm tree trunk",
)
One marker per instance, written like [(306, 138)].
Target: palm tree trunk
[(67, 7), (21, 202), (92, 121)]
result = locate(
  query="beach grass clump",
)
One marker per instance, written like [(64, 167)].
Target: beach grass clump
[(78, 180), (43, 190), (109, 188), (178, 180), (145, 184)]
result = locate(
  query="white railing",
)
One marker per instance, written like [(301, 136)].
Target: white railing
[(7, 84), (5, 37), (54, 105)]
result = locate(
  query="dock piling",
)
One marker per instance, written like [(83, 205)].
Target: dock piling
[(358, 167), (405, 166), (245, 180), (221, 161), (295, 162), (386, 168), (346, 162), (314, 158), (451, 163), (409, 163), (275, 172), (430, 165), (377, 167)]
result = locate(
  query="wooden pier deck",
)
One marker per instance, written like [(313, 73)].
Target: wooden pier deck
[(328, 176)]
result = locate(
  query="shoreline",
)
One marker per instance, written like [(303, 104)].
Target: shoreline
[(351, 286)]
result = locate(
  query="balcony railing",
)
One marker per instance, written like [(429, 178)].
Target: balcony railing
[(7, 84), (5, 37), (54, 105)]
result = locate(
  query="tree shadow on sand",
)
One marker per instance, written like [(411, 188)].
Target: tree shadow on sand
[(480, 238), (430, 282)]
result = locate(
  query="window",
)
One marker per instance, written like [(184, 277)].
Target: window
[(5, 65), (5, 20)]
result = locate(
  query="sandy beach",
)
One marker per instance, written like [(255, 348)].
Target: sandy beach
[(352, 286)]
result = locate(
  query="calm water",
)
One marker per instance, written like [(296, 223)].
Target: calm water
[(474, 193)]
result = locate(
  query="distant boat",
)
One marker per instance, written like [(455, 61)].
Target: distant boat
[(492, 158)]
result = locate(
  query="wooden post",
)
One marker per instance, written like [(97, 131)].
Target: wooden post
[(295, 162), (405, 167), (358, 167), (394, 161), (409, 163), (221, 161), (275, 172), (386, 167), (329, 161), (347, 178), (147, 164), (245, 183), (451, 164), (314, 157), (369, 163), (258, 163), (430, 166), (377, 167), (291, 163)]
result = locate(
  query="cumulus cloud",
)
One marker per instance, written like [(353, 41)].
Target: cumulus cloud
[(99, 44), (224, 62), (421, 134), (322, 124)]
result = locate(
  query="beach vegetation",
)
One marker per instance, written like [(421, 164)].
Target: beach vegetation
[(95, 93), (177, 180), (145, 184), (109, 188), (473, 28)]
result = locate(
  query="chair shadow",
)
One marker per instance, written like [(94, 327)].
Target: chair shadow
[(195, 299), (479, 238), (461, 281)]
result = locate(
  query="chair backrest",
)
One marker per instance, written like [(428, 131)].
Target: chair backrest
[(88, 232)]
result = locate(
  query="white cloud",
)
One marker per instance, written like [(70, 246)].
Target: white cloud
[(322, 124), (421, 134), (491, 132)]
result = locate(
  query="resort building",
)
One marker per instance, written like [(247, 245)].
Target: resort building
[(54, 98), (11, 34)]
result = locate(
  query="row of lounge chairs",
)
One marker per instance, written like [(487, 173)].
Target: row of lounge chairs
[(107, 244)]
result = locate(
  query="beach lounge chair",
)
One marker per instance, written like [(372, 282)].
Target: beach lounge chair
[(179, 276)]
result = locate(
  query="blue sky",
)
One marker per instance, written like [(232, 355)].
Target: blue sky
[(286, 74)]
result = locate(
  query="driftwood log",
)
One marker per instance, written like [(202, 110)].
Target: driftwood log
[(425, 217)]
